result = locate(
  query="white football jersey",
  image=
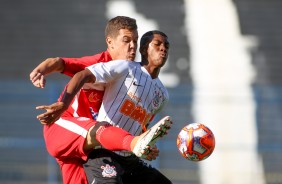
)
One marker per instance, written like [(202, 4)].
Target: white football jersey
[(131, 96)]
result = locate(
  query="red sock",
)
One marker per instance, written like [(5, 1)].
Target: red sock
[(114, 138)]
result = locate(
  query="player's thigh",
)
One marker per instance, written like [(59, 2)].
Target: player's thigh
[(73, 171), (65, 138)]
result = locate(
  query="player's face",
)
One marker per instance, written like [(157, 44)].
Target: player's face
[(124, 45), (158, 50)]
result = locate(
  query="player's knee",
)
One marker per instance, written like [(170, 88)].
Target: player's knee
[(99, 125), (93, 134)]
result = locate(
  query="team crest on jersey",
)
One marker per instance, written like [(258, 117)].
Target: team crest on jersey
[(93, 97), (109, 171), (158, 99)]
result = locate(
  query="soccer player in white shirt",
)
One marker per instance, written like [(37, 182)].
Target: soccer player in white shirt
[(133, 93)]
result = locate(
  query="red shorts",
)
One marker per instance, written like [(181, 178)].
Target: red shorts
[(64, 140)]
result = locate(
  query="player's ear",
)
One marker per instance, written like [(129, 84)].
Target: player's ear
[(109, 42)]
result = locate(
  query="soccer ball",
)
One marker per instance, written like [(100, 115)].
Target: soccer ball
[(195, 142)]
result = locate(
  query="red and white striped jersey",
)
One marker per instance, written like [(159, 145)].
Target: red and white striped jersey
[(131, 96)]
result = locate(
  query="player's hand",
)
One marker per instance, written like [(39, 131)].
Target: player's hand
[(153, 154), (53, 113), (37, 79)]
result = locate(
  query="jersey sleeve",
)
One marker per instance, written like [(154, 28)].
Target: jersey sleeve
[(110, 71), (74, 65)]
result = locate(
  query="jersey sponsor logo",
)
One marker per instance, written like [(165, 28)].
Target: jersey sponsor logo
[(136, 112), (136, 84), (136, 98), (109, 171)]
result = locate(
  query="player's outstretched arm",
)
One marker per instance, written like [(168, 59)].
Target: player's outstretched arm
[(55, 110), (50, 65)]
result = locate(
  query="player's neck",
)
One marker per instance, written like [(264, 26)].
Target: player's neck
[(152, 70)]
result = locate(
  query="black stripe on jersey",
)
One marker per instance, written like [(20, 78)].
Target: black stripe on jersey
[(138, 131), (115, 100), (163, 94), (145, 84), (156, 86), (123, 116), (140, 128), (151, 100), (136, 89), (149, 91)]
